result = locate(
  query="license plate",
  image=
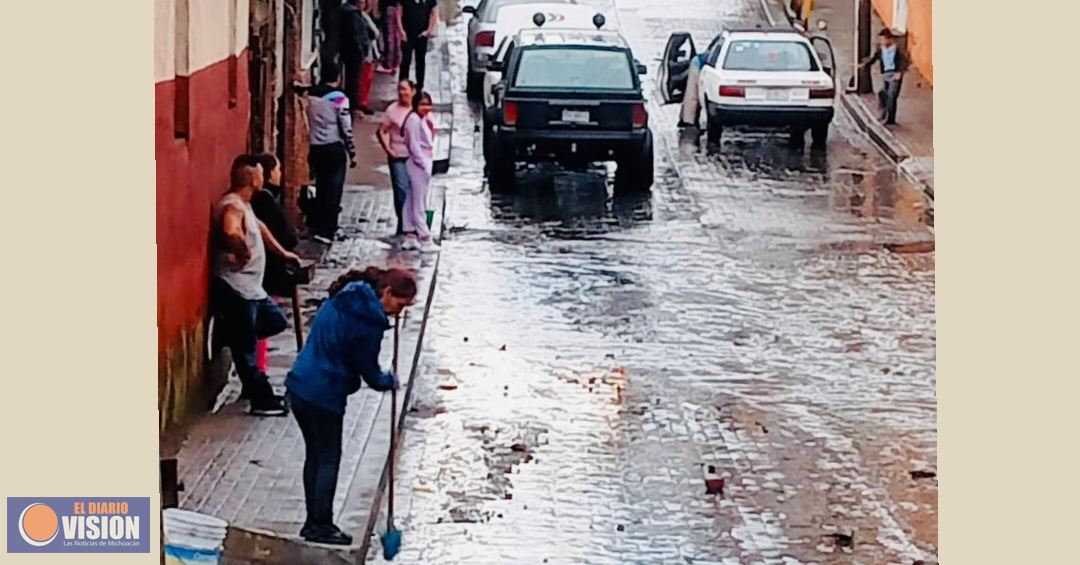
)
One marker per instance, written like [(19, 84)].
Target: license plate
[(575, 116), (777, 94)]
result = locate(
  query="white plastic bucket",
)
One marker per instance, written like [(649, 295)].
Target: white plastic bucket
[(192, 538)]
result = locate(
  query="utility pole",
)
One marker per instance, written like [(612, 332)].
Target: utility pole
[(294, 147), (863, 37)]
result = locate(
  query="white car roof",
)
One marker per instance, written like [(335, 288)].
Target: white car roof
[(513, 19), (564, 36), (767, 35), (494, 8)]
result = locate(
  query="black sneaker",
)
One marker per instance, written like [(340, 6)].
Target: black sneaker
[(269, 406), (367, 111), (307, 529), (329, 535)]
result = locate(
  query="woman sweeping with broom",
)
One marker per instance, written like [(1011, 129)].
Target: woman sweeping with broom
[(342, 350)]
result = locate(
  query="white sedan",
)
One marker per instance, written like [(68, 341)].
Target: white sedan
[(757, 77), (480, 41)]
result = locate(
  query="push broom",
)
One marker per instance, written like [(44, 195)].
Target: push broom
[(391, 540)]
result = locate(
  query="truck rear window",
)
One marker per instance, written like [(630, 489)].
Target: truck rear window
[(576, 69), (769, 56)]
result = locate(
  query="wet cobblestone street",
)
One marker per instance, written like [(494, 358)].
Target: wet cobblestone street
[(765, 311)]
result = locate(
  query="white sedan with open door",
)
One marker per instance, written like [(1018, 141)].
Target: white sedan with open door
[(757, 77)]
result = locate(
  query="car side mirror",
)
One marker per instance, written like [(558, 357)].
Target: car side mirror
[(471, 10), (496, 66), (641, 70)]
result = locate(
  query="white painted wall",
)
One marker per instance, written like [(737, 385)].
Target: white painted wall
[(216, 30), (900, 13)]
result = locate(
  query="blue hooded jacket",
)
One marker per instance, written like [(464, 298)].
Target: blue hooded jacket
[(342, 349)]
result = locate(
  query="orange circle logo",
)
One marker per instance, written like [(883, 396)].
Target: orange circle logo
[(38, 524)]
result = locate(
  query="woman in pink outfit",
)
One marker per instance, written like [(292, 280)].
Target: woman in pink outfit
[(419, 133)]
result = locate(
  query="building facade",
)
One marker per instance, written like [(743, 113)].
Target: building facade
[(220, 89), (202, 111), (914, 18)]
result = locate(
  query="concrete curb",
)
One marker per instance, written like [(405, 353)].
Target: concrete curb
[(873, 128), (377, 503), (881, 137)]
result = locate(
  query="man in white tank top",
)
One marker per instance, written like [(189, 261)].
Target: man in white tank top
[(245, 312)]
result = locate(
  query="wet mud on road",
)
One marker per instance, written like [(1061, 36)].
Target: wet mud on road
[(764, 310)]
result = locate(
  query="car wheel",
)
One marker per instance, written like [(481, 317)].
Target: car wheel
[(819, 133), (713, 131), (634, 172), (501, 165), (798, 137), (474, 82), (490, 119)]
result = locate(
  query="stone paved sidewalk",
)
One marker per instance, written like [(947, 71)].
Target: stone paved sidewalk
[(910, 143), (248, 470)]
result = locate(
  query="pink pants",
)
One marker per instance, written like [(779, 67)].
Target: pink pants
[(262, 351), (414, 212), (394, 39)]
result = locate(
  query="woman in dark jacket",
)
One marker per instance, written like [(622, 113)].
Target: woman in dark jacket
[(267, 206), (341, 352)]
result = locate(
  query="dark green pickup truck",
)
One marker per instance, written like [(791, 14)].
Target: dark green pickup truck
[(570, 96)]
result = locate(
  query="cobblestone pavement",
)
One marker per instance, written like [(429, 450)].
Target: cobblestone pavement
[(764, 311)]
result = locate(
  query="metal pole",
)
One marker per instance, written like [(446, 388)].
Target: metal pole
[(863, 44)]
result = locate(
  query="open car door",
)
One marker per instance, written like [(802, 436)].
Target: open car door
[(824, 50), (675, 66)]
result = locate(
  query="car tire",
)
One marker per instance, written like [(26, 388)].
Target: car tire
[(635, 170), (490, 118), (819, 133), (474, 83), (798, 137), (501, 165), (713, 131)]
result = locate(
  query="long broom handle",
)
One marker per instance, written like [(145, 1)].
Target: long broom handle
[(393, 425)]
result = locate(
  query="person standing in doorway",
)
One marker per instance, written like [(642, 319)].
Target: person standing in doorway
[(893, 64), (243, 310), (418, 20), (419, 134), (393, 143), (330, 47), (356, 40), (342, 352), (332, 146)]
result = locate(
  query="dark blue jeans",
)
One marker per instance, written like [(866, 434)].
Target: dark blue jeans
[(399, 180), (329, 162), (241, 324), (887, 97), (322, 457)]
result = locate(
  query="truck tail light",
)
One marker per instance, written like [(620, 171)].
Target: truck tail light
[(734, 91), (485, 39), (822, 92), (641, 116), (510, 113)]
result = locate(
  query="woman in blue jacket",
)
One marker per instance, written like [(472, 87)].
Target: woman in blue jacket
[(341, 351)]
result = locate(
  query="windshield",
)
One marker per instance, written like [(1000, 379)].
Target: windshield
[(769, 56), (575, 69), (492, 10)]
